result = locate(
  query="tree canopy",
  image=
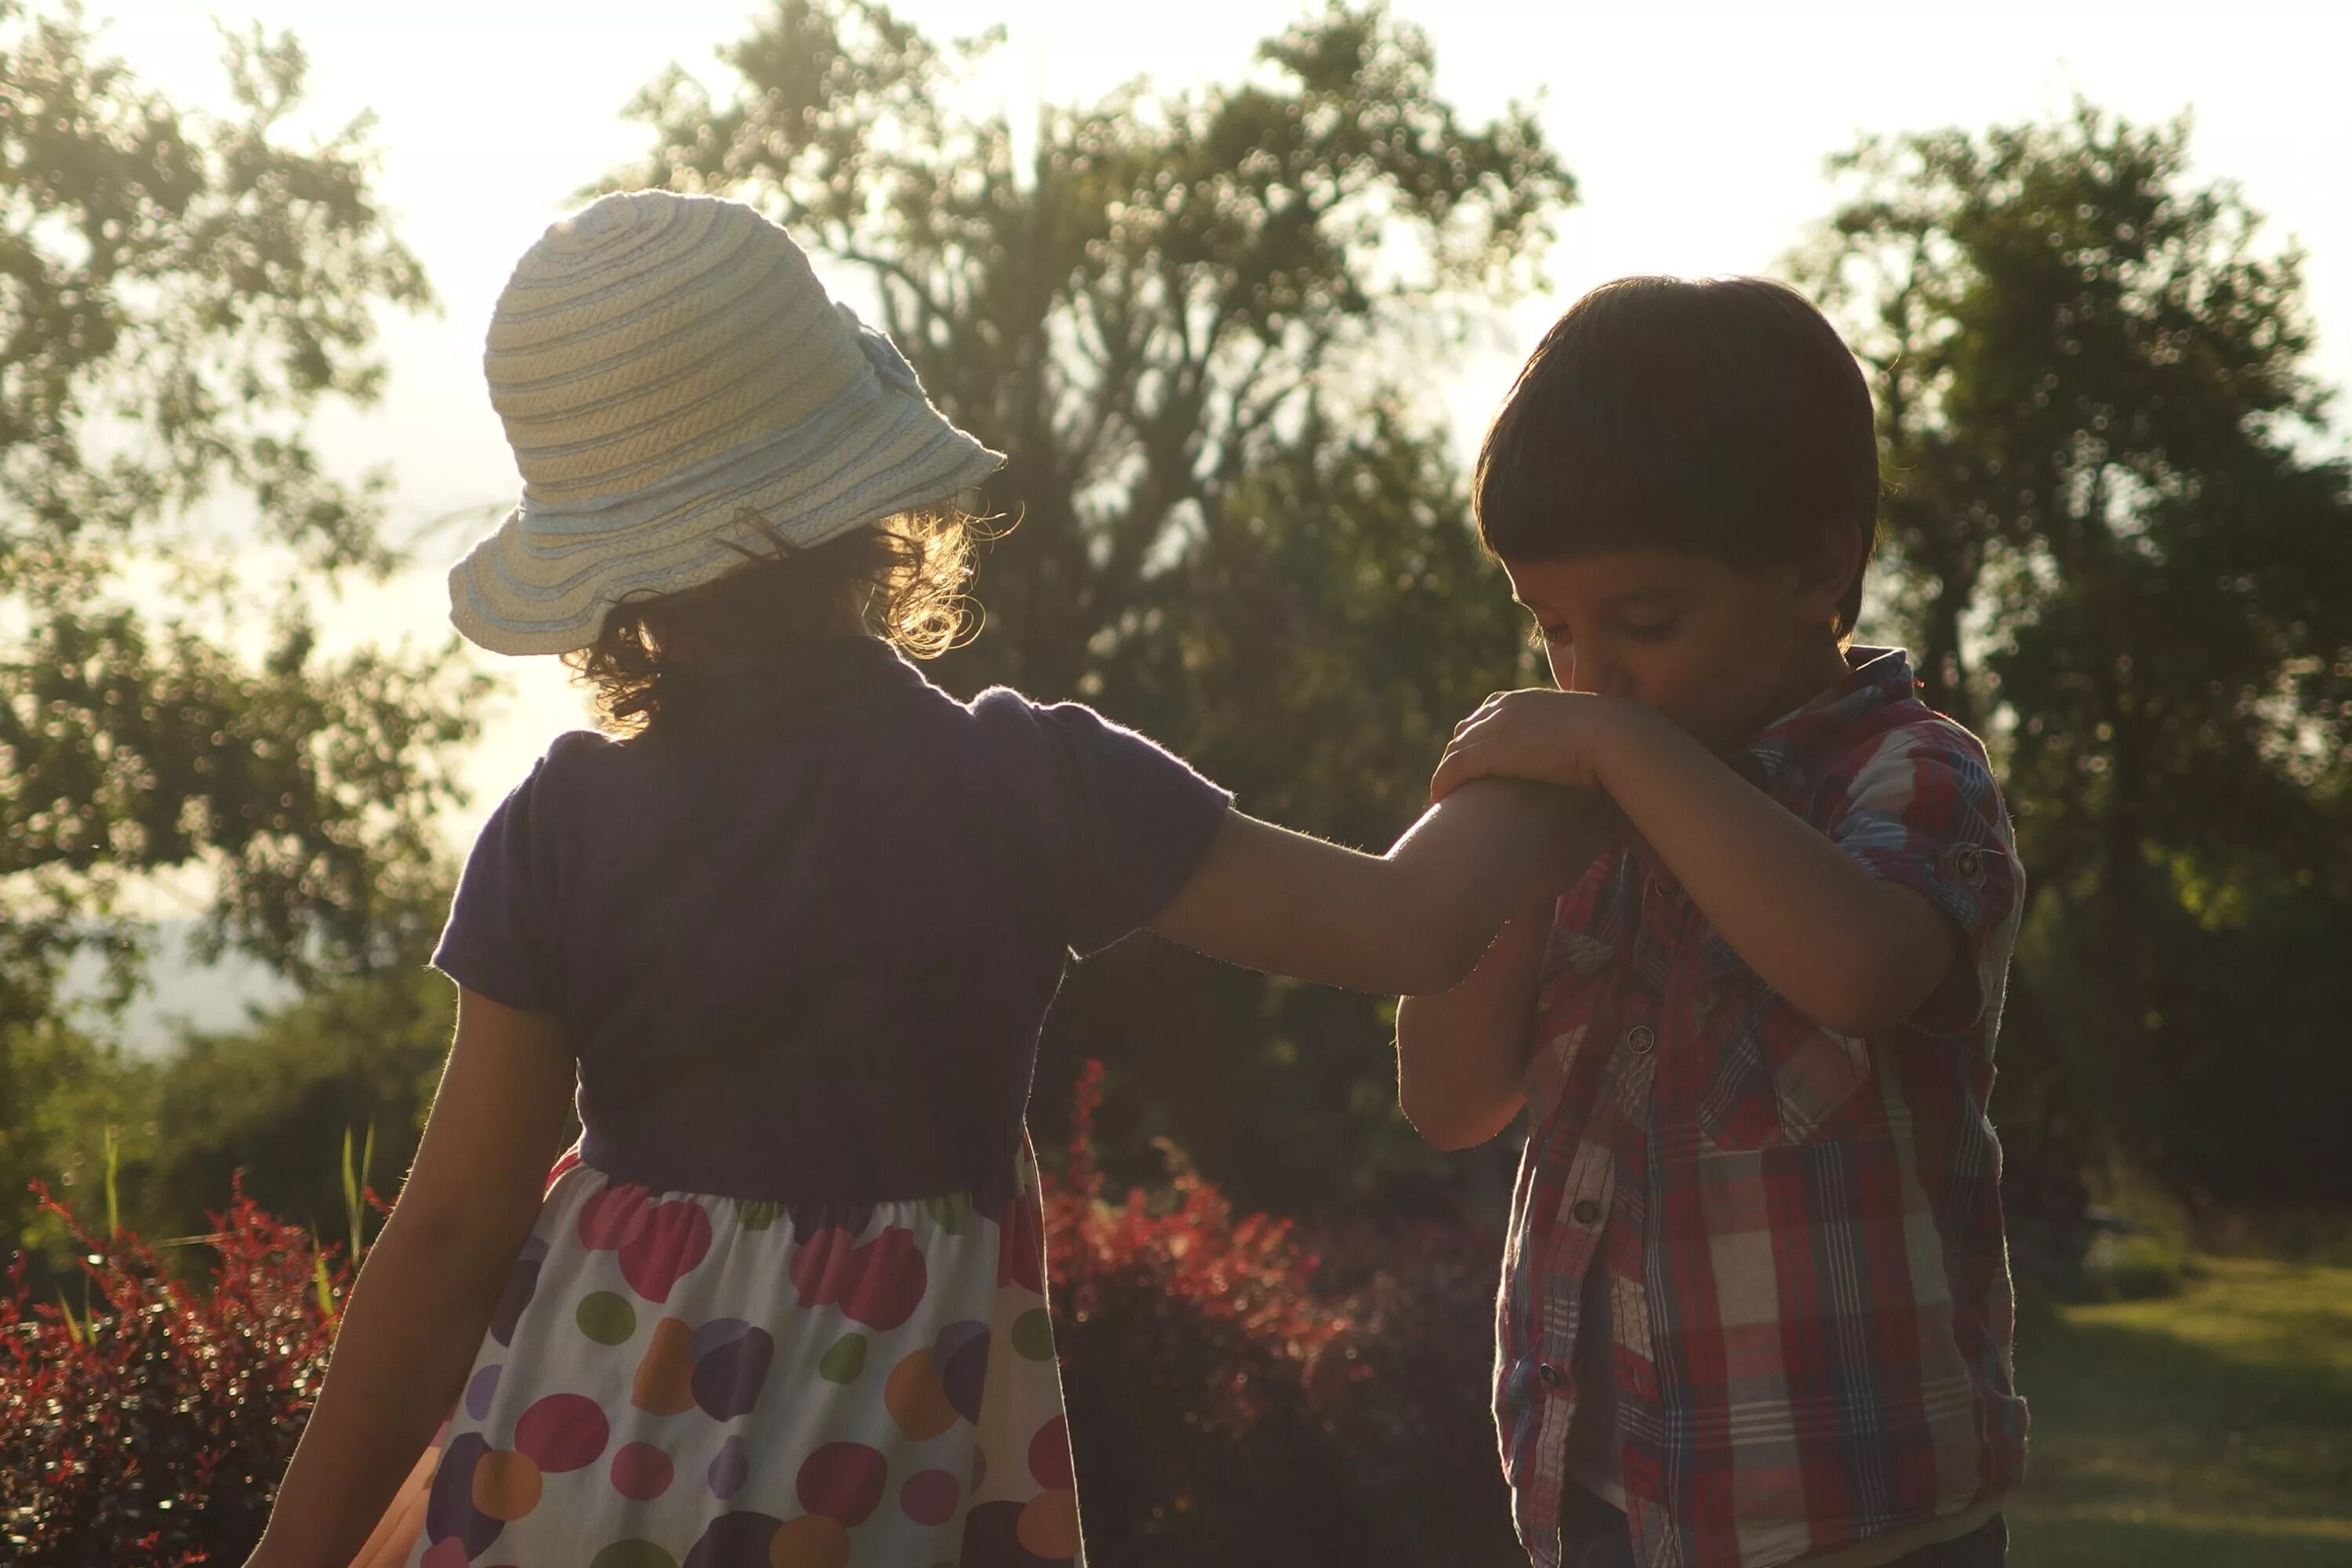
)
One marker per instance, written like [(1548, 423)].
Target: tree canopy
[(2122, 531), (179, 291)]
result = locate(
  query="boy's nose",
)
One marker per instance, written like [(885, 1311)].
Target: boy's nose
[(1599, 677)]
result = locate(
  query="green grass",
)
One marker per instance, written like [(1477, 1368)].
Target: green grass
[(2214, 1428)]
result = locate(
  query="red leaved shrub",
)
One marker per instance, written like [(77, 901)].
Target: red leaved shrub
[(1229, 1404), (151, 1425), (1237, 1394)]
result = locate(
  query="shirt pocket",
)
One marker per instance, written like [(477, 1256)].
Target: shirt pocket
[(1759, 1073)]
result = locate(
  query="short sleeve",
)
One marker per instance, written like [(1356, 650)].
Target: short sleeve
[(498, 941), (1923, 812), (1126, 822)]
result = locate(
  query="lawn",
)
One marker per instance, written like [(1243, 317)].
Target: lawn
[(2214, 1428)]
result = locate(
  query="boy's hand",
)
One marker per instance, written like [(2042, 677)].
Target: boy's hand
[(1553, 737)]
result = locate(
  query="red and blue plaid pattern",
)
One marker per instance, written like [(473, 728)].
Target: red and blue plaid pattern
[(1802, 1231)]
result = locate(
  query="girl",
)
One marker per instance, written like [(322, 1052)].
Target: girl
[(789, 934)]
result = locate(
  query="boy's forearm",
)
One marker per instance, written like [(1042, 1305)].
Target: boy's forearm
[(1857, 953), (412, 1325), (1461, 1054)]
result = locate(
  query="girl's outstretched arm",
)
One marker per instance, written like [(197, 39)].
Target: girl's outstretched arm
[(1414, 921), (431, 1283)]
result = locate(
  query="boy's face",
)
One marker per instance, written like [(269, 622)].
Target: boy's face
[(1720, 649)]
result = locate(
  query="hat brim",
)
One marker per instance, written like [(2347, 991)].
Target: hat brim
[(546, 580)]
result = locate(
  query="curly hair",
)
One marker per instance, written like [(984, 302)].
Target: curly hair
[(908, 574)]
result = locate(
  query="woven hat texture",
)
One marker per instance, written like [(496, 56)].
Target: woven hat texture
[(665, 363)]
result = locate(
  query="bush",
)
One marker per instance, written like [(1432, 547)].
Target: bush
[(151, 1425), (1237, 1398), (1238, 1394)]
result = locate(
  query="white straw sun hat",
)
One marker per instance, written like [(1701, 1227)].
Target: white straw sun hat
[(663, 365)]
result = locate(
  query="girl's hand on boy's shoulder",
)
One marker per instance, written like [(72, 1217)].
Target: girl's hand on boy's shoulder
[(1553, 737)]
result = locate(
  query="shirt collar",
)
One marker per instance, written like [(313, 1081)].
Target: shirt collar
[(1787, 749)]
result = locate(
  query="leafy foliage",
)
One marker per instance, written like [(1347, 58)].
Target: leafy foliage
[(179, 291), (149, 1424), (2125, 552), (1197, 1342)]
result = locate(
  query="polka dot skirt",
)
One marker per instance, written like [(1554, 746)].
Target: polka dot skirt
[(675, 1381)]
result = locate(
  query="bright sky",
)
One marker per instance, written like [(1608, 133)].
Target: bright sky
[(1696, 133)]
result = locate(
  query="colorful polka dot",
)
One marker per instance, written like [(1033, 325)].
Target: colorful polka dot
[(731, 1359), (879, 1284), (672, 1241), (479, 1390), (917, 1399), (562, 1432), (606, 1317), (757, 1214), (843, 1481), (641, 1472), (664, 1382), (929, 1497), (844, 1362), (729, 1470), (506, 1485), (448, 1553), (449, 1511), (735, 1540), (522, 1284), (991, 1538), (952, 1213), (633, 1554), (1049, 1454), (611, 1216), (1033, 1334), (1020, 1247), (962, 1357), (1049, 1525), (812, 1543)]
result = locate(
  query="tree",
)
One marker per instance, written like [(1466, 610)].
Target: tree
[(1194, 319), (177, 292), (2120, 544)]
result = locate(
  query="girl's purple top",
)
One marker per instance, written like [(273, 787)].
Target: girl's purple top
[(803, 932)]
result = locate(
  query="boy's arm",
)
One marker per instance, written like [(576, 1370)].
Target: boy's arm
[(1857, 953), (1462, 1054), (1414, 919)]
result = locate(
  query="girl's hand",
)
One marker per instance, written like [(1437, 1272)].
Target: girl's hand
[(1550, 737)]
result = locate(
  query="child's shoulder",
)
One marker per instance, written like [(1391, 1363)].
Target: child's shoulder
[(1916, 730), (1911, 771), (1002, 712)]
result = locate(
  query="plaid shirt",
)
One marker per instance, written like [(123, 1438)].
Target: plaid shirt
[(1801, 1230)]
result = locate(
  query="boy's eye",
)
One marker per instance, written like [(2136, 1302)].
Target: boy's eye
[(1542, 635), (1651, 631)]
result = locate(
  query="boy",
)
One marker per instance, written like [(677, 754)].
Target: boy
[(1756, 1306)]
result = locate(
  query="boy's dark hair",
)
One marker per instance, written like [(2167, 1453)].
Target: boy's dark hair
[(1722, 416)]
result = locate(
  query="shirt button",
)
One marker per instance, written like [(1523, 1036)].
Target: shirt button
[(1552, 1376), (1586, 1212), (1642, 1039)]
